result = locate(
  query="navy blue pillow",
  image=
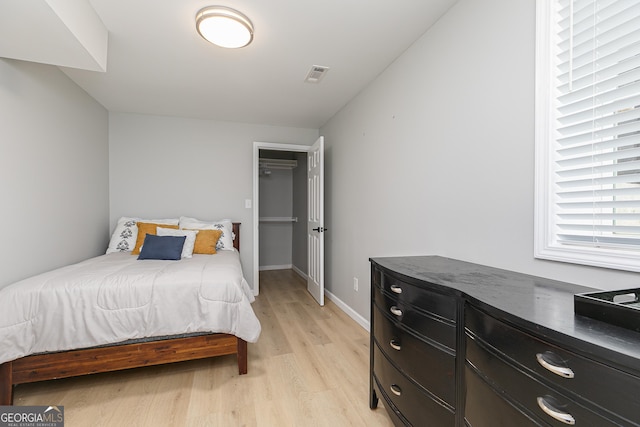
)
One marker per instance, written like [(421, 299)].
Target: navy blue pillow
[(162, 247)]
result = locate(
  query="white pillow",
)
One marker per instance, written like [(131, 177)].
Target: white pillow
[(189, 242), (225, 242), (125, 234)]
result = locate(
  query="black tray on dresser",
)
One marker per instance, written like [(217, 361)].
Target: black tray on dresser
[(620, 308)]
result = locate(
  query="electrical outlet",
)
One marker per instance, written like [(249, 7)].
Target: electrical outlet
[(355, 284)]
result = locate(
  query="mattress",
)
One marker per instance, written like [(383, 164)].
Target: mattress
[(115, 297)]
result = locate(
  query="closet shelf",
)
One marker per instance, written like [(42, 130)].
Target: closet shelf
[(265, 163), (278, 219)]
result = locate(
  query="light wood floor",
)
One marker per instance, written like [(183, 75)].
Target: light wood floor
[(310, 367)]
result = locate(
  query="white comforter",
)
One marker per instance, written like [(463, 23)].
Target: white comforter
[(115, 297)]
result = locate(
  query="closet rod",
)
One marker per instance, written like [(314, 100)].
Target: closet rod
[(278, 219)]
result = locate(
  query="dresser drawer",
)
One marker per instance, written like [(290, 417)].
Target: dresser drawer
[(415, 405), (606, 387), (484, 407), (528, 392), (426, 364), (432, 302), (428, 326)]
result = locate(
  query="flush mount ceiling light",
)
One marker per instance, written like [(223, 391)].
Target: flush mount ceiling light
[(224, 27)]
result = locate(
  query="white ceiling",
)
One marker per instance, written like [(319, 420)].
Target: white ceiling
[(158, 64), (56, 32)]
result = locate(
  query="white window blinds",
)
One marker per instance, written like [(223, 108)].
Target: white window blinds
[(591, 128)]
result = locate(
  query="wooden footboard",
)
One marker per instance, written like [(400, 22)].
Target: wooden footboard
[(73, 363)]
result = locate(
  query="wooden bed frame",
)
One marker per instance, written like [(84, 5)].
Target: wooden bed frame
[(64, 364)]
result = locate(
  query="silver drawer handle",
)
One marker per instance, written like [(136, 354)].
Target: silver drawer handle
[(395, 390), (395, 310), (394, 345), (554, 413), (558, 370), (397, 289)]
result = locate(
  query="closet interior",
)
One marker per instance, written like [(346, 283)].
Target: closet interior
[(283, 210)]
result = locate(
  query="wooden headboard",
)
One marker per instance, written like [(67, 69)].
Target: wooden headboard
[(236, 235)]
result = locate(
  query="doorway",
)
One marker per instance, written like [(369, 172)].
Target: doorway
[(282, 211), (279, 225)]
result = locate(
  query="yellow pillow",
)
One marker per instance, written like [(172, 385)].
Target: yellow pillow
[(145, 228), (206, 241)]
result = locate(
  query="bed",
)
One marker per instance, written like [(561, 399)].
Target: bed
[(137, 321)]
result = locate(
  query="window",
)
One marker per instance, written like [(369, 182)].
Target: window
[(588, 132)]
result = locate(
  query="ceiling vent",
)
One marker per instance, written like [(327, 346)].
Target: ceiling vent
[(316, 73)]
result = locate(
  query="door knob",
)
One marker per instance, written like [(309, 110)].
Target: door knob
[(320, 229)]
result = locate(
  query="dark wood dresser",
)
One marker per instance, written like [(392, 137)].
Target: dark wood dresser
[(460, 344)]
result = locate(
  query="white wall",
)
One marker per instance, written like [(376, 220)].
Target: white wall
[(437, 156), (169, 166), (53, 171)]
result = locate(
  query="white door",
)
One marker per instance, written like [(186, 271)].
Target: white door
[(315, 220)]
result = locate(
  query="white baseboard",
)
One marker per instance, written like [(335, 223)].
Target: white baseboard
[(275, 267), (300, 272), (348, 310)]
